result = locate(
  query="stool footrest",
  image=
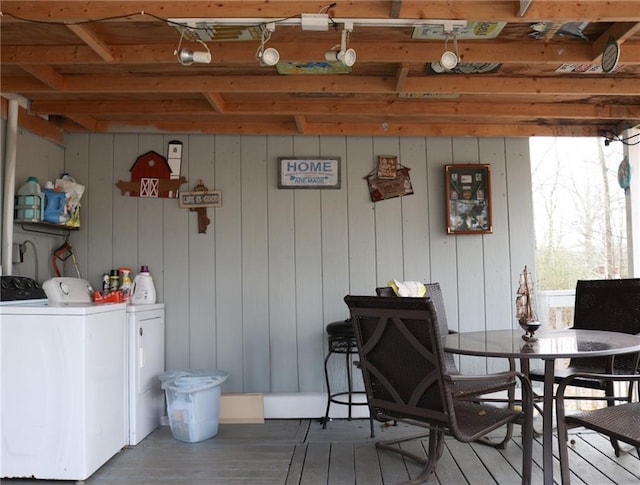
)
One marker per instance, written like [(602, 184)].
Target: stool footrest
[(333, 398)]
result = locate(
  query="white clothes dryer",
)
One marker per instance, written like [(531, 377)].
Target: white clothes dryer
[(145, 331)]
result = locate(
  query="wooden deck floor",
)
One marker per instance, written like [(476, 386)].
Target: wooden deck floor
[(289, 452)]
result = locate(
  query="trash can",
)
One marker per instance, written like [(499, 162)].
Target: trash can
[(193, 403)]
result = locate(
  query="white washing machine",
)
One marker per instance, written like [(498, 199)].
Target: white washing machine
[(63, 388), (145, 330)]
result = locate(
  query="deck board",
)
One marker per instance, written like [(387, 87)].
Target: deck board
[(295, 452)]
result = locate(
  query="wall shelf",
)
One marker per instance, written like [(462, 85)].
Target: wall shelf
[(47, 228)]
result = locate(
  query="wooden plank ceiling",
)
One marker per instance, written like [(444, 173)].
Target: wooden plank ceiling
[(526, 68)]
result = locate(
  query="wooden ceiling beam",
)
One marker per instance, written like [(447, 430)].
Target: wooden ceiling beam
[(355, 129), (508, 11), (87, 122), (149, 10), (476, 10), (408, 108), (216, 101), (98, 83), (401, 76), (92, 40), (34, 123), (552, 53), (301, 124), (46, 74), (619, 32)]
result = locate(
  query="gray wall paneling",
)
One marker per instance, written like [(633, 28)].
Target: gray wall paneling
[(282, 285), (254, 294), (255, 262), (44, 160), (200, 320)]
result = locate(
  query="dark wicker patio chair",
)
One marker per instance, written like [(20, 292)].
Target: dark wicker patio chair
[(618, 421), (612, 305), (406, 379), (471, 388)]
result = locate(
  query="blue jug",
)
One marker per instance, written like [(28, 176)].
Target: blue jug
[(54, 206)]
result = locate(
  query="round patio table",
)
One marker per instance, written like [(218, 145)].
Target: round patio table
[(551, 345)]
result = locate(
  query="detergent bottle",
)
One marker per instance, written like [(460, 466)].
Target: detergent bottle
[(143, 292), (29, 202), (54, 208)]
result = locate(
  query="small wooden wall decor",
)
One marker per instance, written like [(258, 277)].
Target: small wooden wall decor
[(151, 177), (381, 188), (387, 166), (198, 201)]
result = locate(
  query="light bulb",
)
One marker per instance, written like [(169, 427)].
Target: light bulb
[(269, 57), (348, 57), (449, 60), (186, 57)]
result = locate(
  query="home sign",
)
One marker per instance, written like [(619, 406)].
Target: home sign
[(308, 173)]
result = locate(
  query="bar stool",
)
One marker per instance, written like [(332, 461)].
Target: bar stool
[(342, 340)]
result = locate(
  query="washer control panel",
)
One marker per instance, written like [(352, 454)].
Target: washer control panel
[(20, 288)]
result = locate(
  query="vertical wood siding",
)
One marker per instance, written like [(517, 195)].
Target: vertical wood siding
[(252, 296)]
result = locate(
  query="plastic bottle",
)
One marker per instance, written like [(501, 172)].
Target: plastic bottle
[(54, 207), (29, 204), (143, 291), (125, 287), (114, 280)]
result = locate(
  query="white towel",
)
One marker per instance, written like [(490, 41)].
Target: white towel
[(409, 288)]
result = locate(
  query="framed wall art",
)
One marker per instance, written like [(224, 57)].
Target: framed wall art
[(308, 173), (468, 194)]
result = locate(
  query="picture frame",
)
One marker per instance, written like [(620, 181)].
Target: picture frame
[(468, 199), (309, 172)]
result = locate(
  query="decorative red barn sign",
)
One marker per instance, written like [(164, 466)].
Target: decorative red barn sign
[(151, 177)]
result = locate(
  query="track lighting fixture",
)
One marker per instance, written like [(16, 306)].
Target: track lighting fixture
[(187, 56), (268, 56), (344, 55), (449, 59)]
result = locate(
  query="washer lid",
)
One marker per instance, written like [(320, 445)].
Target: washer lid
[(68, 290)]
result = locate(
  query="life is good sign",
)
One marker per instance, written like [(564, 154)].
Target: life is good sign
[(201, 198), (309, 173)]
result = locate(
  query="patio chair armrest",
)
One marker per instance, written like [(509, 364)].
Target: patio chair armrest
[(497, 376), (562, 385)]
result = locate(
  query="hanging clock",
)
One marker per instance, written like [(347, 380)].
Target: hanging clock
[(610, 56)]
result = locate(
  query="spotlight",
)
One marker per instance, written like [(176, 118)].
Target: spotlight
[(268, 57), (186, 56), (344, 55), (348, 57), (449, 60)]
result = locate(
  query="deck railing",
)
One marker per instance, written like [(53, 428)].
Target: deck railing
[(555, 310)]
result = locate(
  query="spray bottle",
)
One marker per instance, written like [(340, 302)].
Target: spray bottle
[(126, 285)]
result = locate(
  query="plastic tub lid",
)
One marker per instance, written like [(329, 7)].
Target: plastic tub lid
[(187, 379)]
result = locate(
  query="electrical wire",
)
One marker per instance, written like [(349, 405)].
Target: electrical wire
[(35, 254), (610, 135), (141, 13), (77, 22)]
